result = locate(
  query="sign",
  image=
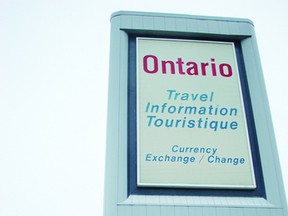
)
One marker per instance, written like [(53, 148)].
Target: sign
[(191, 124), (185, 123)]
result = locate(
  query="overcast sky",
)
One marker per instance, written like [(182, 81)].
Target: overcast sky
[(54, 58)]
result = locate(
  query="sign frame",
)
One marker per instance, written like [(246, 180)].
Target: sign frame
[(133, 187), (122, 196)]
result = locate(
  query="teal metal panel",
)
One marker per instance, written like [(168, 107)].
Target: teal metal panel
[(182, 210), (170, 23), (264, 212), (167, 210), (236, 211), (181, 25), (192, 25), (223, 211), (153, 210), (148, 23), (139, 210), (111, 183), (209, 211), (122, 124), (195, 211), (125, 210), (159, 23), (250, 211), (268, 149), (137, 22), (277, 212), (213, 26)]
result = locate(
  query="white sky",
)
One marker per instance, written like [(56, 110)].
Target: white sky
[(54, 58)]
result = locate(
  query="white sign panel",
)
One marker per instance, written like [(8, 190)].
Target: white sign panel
[(192, 129)]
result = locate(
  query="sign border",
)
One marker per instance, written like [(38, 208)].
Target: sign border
[(121, 192)]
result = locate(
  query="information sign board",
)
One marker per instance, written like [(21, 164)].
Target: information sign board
[(191, 124)]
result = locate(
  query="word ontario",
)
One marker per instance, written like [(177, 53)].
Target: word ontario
[(152, 65)]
